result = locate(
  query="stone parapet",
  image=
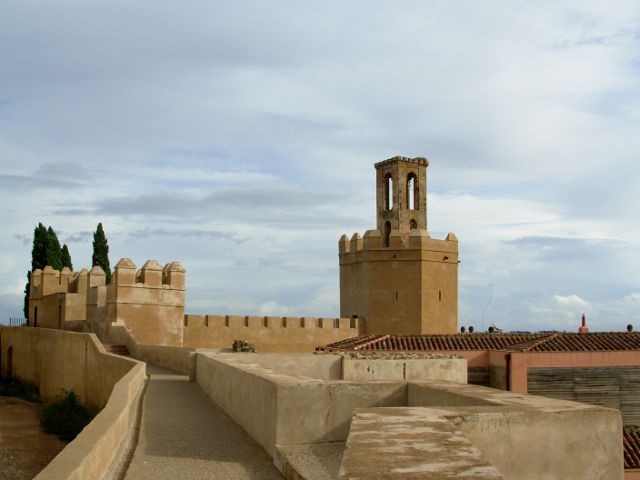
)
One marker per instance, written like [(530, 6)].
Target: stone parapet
[(266, 333)]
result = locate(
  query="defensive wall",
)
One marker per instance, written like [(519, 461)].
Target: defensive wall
[(400, 288), (63, 299), (149, 303), (267, 334), (55, 360), (287, 401)]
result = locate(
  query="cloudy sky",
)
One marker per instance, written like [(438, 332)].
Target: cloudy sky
[(240, 138)]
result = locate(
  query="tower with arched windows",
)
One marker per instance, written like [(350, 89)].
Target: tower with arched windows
[(397, 278), (401, 196)]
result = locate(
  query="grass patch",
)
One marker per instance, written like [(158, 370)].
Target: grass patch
[(17, 388), (65, 416)]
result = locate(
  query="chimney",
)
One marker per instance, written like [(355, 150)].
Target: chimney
[(584, 328)]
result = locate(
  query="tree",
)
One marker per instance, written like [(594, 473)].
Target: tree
[(39, 250), (66, 258), (54, 251), (44, 248), (27, 290), (101, 252)]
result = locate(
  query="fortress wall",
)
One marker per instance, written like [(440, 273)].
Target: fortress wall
[(179, 359), (267, 334), (55, 360), (149, 301)]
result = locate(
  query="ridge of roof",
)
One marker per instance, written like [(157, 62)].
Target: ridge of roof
[(529, 345), (378, 339)]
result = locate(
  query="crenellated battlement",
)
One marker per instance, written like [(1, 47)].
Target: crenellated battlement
[(419, 239), (48, 281), (267, 333), (269, 322), (151, 275)]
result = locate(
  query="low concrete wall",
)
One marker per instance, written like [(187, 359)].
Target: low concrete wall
[(517, 436), (94, 450), (452, 369), (557, 445), (174, 358), (531, 437), (425, 394), (278, 408), (244, 394), (324, 367), (55, 360)]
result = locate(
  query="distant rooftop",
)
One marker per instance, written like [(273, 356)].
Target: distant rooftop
[(520, 342), (631, 442)]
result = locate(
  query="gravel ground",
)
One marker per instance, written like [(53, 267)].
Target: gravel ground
[(24, 449)]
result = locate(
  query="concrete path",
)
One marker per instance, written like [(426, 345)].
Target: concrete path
[(184, 435)]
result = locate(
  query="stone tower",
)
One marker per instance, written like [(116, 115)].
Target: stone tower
[(397, 278), (401, 196)]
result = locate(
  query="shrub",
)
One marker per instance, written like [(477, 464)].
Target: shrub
[(65, 417), (242, 346)]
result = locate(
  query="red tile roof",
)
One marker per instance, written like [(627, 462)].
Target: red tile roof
[(597, 341), (521, 342), (631, 441)]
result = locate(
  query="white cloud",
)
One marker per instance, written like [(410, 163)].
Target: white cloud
[(570, 301)]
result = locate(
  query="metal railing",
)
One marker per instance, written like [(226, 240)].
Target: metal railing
[(17, 322)]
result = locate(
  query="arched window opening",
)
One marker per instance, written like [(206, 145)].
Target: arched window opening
[(387, 233), (412, 192), (413, 224), (388, 192)]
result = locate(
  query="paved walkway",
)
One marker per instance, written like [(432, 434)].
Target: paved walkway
[(184, 435)]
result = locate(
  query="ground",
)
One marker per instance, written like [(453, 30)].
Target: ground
[(24, 448)]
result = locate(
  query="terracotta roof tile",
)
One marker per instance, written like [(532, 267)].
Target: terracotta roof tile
[(521, 342), (631, 442), (597, 341), (467, 341)]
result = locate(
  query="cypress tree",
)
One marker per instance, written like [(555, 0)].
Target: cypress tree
[(66, 257), (54, 251), (101, 252), (39, 253), (27, 289), (38, 259)]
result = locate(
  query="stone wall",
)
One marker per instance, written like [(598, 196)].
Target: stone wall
[(55, 360), (267, 334)]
